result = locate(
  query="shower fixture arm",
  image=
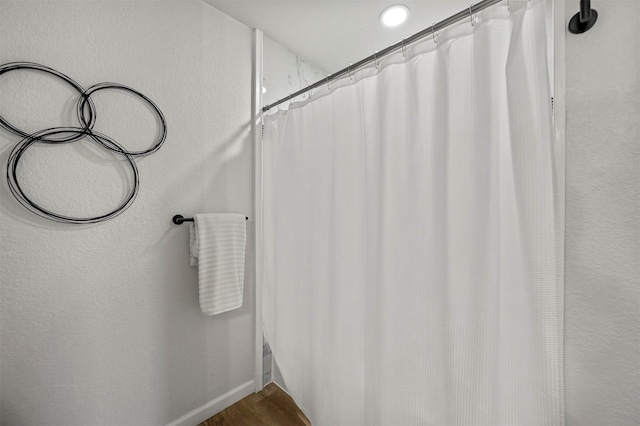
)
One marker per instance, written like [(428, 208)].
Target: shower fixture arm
[(583, 20)]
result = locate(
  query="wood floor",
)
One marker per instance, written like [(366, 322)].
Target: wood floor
[(269, 407)]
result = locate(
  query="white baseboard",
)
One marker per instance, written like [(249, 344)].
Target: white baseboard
[(211, 408)]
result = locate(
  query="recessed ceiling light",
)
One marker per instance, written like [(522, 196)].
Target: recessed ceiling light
[(394, 15)]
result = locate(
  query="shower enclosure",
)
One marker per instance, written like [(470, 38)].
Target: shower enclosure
[(412, 233)]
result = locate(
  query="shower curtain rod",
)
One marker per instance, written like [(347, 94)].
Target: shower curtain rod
[(467, 13)]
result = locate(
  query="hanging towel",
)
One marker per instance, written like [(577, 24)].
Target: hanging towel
[(217, 246)]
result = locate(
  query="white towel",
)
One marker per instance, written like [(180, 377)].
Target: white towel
[(218, 242)]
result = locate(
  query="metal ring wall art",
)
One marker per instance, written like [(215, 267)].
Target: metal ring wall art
[(86, 113)]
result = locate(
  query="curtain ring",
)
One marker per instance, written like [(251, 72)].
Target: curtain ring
[(350, 73), (471, 14), (328, 84), (403, 48), (434, 33), (375, 57)]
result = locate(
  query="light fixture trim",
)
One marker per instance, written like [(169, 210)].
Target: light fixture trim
[(394, 15)]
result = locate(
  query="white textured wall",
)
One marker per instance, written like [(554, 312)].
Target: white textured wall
[(603, 218), (101, 324), (284, 72)]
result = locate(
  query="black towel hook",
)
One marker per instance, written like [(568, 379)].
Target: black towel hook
[(179, 219), (583, 20)]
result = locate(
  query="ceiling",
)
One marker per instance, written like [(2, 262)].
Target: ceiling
[(334, 33)]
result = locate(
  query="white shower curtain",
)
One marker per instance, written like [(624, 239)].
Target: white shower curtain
[(412, 262)]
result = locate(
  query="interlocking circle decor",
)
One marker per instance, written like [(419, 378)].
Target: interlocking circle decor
[(86, 113)]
